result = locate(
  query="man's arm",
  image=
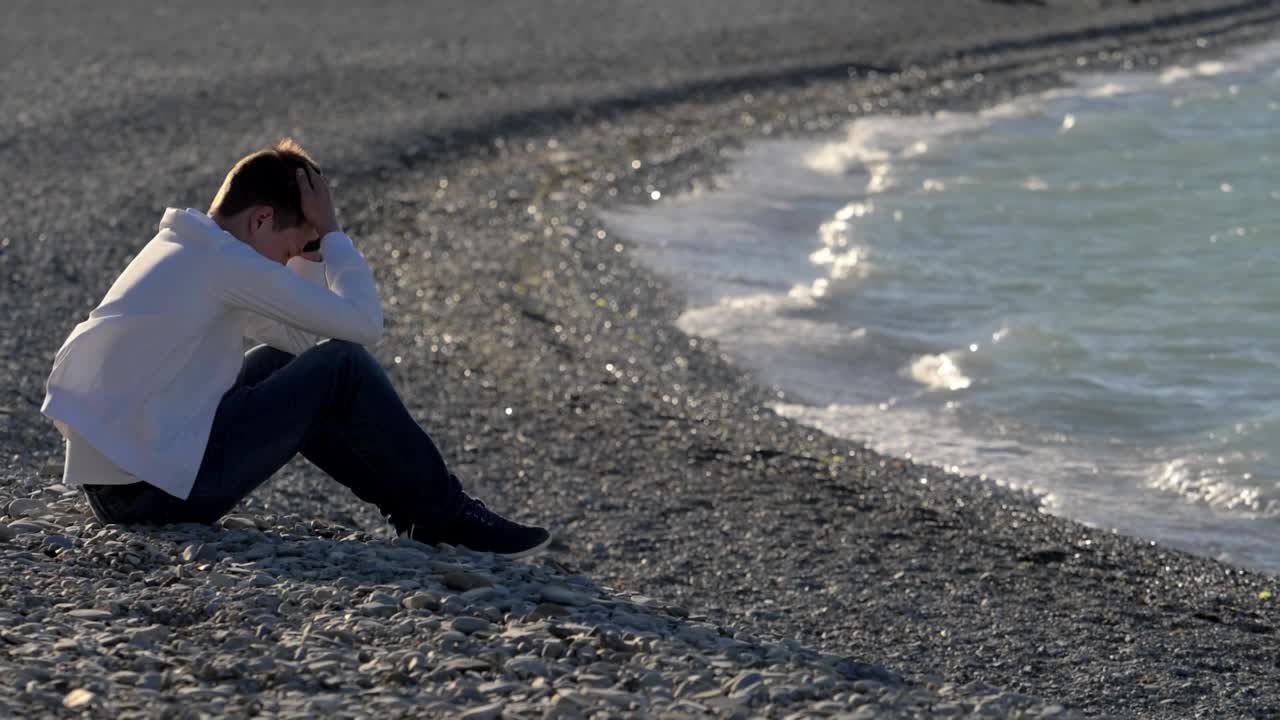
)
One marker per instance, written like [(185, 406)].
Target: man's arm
[(344, 306), (277, 334)]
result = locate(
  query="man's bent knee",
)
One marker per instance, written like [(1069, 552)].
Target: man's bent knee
[(349, 351), (334, 346)]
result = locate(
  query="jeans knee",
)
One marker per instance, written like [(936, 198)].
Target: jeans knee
[(348, 351), (335, 346)]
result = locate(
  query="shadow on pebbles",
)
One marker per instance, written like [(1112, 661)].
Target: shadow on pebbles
[(293, 618)]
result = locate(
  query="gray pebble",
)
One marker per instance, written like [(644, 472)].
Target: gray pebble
[(465, 665), (26, 507), (562, 595), (32, 526), (470, 625), (152, 681), (125, 677), (746, 681), (218, 579), (148, 635), (422, 601), (484, 712), (527, 666), (91, 614), (239, 522)]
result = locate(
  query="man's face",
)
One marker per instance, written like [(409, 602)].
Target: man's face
[(281, 245)]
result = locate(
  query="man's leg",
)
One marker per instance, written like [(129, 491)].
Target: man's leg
[(360, 434), (335, 404)]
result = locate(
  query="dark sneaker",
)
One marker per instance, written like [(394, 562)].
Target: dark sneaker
[(478, 528)]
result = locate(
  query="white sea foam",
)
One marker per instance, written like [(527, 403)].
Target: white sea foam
[(842, 272), (874, 143), (938, 372)]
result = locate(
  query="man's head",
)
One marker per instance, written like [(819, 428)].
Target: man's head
[(260, 203)]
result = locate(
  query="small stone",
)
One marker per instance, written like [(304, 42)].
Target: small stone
[(547, 610), (421, 601), (565, 705), (497, 687), (744, 681), (263, 580), (91, 614), (465, 665), (6, 534), (617, 698), (220, 580), (470, 625), (148, 636), (239, 522), (59, 541), (867, 712), (376, 608), (484, 712), (19, 527), (527, 666), (26, 507), (654, 679), (77, 699), (465, 581), (553, 649), (193, 551), (125, 677), (562, 595), (261, 551)]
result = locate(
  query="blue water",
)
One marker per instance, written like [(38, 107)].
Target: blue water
[(1074, 293)]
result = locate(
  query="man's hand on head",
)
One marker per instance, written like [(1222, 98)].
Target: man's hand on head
[(317, 202)]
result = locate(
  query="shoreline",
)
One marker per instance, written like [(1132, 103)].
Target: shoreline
[(710, 502), (751, 316)]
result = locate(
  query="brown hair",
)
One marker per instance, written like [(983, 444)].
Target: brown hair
[(267, 177)]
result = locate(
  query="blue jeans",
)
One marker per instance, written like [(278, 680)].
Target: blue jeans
[(333, 403)]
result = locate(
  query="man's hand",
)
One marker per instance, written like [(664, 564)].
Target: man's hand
[(317, 201)]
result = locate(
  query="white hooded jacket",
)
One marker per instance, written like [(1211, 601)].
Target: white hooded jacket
[(135, 387)]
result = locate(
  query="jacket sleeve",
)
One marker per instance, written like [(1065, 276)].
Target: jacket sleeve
[(295, 309), (277, 334)]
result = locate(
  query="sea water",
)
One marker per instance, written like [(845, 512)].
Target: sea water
[(1075, 293)]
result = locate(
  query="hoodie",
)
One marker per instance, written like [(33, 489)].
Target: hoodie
[(135, 387)]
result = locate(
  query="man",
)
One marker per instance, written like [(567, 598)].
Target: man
[(167, 420)]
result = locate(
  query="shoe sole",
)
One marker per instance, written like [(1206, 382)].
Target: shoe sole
[(536, 549)]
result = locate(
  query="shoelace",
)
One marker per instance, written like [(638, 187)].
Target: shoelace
[(473, 507), (482, 513)]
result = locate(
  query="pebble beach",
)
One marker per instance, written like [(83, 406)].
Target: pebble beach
[(711, 558)]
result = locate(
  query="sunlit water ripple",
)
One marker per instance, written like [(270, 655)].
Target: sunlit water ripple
[(1074, 292)]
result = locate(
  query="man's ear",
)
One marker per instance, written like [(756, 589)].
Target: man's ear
[(259, 216)]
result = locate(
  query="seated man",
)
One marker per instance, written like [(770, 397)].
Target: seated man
[(168, 420)]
